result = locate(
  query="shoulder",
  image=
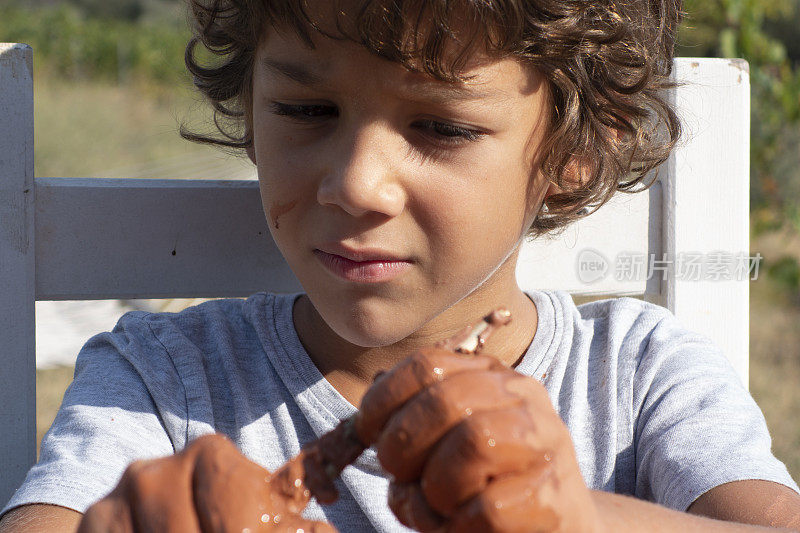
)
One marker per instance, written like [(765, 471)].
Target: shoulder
[(623, 312), (659, 342), (640, 342), (143, 338), (183, 362), (619, 327), (197, 346), (202, 325), (196, 317)]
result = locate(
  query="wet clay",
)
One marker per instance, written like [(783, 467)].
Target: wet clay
[(209, 486), (320, 462), (502, 501), (278, 509), (278, 210), (313, 471)]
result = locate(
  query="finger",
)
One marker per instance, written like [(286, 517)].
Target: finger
[(522, 502), (296, 524), (412, 431), (418, 371), (232, 493), (482, 447), (109, 515), (409, 506), (155, 495)]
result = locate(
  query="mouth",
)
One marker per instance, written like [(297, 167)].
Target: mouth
[(362, 266), (361, 255)]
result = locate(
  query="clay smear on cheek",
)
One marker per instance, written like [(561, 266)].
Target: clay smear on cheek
[(278, 210)]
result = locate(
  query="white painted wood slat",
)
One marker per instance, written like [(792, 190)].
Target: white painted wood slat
[(582, 259), (17, 269), (707, 196), (142, 238)]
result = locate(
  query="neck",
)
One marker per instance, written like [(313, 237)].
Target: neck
[(351, 368)]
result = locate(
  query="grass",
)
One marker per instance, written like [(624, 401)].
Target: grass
[(103, 128), (775, 350), (86, 129), (51, 383)]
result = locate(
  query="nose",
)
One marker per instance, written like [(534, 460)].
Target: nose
[(364, 177)]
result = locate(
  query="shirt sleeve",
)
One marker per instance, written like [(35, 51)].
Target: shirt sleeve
[(107, 420), (697, 425)]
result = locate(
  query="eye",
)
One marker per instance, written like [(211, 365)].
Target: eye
[(449, 133), (444, 133), (305, 113)]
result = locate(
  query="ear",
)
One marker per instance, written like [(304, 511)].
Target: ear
[(551, 190), (577, 174), (574, 177)]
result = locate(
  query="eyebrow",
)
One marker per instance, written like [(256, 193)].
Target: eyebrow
[(426, 90)]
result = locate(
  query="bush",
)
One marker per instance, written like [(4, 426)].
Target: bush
[(74, 46), (130, 10), (786, 272)]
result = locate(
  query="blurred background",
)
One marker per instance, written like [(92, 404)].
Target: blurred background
[(111, 92)]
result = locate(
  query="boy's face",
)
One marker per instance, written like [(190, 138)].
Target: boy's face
[(355, 153)]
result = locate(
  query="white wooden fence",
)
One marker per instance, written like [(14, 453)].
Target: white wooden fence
[(72, 239)]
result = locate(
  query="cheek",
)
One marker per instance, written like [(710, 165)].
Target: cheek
[(283, 181), (471, 231), (279, 209), (281, 203), (489, 201), (272, 143)]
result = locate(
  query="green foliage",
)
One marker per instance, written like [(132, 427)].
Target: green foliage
[(130, 10), (764, 221), (74, 46), (786, 272), (764, 32)]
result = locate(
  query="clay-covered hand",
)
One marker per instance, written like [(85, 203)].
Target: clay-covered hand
[(209, 486), (473, 446)]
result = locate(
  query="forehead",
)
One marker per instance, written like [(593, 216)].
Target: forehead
[(284, 55), (399, 30)]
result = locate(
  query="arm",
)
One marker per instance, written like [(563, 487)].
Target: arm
[(40, 518), (701, 442), (751, 502), (756, 502), (106, 420)]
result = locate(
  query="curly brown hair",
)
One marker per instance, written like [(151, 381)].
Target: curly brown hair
[(607, 63)]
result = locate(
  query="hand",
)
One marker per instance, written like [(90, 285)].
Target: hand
[(209, 486), (473, 446)]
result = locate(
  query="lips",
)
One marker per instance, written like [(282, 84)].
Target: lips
[(362, 265), (362, 254)]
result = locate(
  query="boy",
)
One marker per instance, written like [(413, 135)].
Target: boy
[(404, 150)]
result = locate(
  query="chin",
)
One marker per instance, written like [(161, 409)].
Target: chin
[(366, 326), (368, 334)]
